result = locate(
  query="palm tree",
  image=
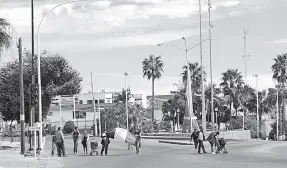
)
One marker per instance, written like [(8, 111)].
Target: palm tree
[(152, 69), (231, 86), (195, 76), (5, 38), (279, 70)]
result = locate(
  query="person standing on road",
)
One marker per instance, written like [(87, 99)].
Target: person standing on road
[(76, 134), (132, 130), (200, 141), (85, 139), (60, 142), (194, 137), (43, 136), (53, 133), (138, 140), (212, 139), (105, 144)]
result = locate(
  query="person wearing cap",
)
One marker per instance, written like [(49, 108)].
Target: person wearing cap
[(105, 144), (212, 139), (194, 137)]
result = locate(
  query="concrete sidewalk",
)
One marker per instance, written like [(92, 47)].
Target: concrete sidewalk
[(10, 158)]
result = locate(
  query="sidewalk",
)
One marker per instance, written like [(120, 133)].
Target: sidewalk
[(11, 158)]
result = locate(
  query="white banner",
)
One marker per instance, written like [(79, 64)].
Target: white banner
[(121, 134)]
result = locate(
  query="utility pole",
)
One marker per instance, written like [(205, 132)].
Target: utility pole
[(32, 93), (257, 106), (99, 114), (202, 75), (61, 117), (94, 106), (22, 107), (127, 113), (245, 56), (210, 58), (277, 115)]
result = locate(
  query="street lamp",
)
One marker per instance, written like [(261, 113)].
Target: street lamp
[(188, 89), (39, 65), (127, 113)]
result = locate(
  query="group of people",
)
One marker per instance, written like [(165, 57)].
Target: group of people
[(58, 141), (198, 137)]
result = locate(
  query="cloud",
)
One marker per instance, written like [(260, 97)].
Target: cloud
[(279, 41)]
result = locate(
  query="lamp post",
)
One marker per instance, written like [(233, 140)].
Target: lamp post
[(188, 89), (127, 113), (39, 64), (257, 106)]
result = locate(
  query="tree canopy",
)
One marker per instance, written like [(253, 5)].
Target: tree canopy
[(57, 76)]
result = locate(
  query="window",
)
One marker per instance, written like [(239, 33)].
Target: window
[(89, 102), (109, 101), (79, 115), (81, 101)]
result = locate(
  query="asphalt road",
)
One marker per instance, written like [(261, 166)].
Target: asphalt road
[(242, 154)]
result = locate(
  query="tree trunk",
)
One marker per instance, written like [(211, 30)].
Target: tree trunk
[(11, 130), (152, 111)]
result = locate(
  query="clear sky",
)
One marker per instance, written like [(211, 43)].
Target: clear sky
[(114, 36)]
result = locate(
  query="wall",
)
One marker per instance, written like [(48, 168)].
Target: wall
[(236, 135)]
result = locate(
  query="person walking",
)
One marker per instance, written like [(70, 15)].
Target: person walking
[(212, 139), (132, 130), (53, 133), (194, 137), (85, 139), (105, 144), (76, 134), (59, 137), (44, 134), (200, 141), (138, 140)]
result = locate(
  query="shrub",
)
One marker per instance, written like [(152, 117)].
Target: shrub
[(165, 125), (235, 123), (69, 127)]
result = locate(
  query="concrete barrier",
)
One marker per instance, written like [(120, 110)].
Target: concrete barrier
[(235, 135)]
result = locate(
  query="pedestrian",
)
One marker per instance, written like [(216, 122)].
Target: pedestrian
[(59, 137), (43, 136), (132, 130), (200, 141), (194, 137), (212, 139), (138, 140), (53, 133), (76, 134), (105, 144), (85, 139)]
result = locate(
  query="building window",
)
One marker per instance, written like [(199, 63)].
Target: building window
[(89, 102), (81, 101), (109, 101), (79, 115)]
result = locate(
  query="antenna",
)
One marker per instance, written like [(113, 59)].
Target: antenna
[(245, 56)]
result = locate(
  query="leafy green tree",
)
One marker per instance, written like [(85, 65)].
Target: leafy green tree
[(5, 36), (58, 78), (152, 69), (121, 96), (231, 85), (279, 70)]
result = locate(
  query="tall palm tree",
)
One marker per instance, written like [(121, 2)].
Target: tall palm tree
[(279, 69), (231, 86), (5, 37), (152, 69), (195, 76)]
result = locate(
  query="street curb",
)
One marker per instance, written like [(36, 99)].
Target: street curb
[(177, 143)]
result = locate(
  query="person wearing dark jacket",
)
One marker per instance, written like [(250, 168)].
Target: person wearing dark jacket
[(105, 144), (53, 133), (194, 137), (200, 141), (212, 139), (59, 137)]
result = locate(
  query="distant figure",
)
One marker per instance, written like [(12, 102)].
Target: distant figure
[(43, 136), (85, 139), (60, 142), (132, 130), (194, 137), (212, 139), (105, 144), (53, 133), (138, 140), (200, 141), (76, 134)]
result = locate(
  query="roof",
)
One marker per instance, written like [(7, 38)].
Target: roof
[(82, 106)]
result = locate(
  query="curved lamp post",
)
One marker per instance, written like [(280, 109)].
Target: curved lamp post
[(39, 64), (188, 90)]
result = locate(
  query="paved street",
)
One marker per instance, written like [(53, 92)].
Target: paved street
[(260, 154)]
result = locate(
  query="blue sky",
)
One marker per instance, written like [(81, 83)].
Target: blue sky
[(114, 36)]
